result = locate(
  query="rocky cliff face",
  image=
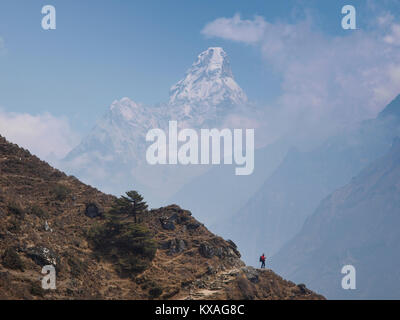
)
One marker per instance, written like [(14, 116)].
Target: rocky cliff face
[(45, 217)]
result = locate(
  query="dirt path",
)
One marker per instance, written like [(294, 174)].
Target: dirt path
[(210, 286)]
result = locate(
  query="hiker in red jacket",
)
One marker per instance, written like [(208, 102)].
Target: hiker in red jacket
[(262, 260)]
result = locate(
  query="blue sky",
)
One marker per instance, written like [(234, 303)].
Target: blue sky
[(106, 50)]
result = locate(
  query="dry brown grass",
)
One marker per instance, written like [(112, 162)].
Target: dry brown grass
[(28, 199)]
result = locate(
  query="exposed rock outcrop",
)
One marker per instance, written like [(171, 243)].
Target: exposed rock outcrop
[(190, 262)]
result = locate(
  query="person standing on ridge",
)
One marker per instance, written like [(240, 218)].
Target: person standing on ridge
[(262, 260)]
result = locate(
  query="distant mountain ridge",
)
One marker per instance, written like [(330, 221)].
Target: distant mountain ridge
[(119, 134), (356, 225), (293, 191), (392, 109)]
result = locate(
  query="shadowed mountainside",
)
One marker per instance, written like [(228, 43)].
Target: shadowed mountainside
[(356, 225), (278, 210)]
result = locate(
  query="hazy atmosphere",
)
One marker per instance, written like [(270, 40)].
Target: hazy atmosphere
[(275, 123)]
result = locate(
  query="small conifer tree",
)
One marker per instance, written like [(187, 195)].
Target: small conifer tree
[(132, 205)]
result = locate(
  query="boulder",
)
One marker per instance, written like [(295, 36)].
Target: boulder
[(167, 225), (251, 274), (174, 218), (92, 210), (206, 251), (233, 245), (218, 249), (42, 256), (175, 208), (302, 288), (47, 227), (211, 270), (180, 245), (174, 246), (178, 218), (192, 226)]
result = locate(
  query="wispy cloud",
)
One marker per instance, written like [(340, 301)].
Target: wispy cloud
[(46, 136), (394, 36), (327, 81), (236, 29)]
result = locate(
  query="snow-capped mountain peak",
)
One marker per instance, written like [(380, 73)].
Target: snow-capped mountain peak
[(213, 62), (114, 152), (125, 108), (209, 80)]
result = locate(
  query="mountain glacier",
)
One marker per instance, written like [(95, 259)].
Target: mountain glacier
[(207, 94), (112, 155)]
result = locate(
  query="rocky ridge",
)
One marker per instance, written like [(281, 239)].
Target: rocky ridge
[(45, 217)]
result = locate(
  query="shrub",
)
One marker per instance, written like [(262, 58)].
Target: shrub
[(132, 205), (15, 209), (77, 266), (14, 225), (155, 292), (171, 293), (246, 288), (37, 290), (129, 246), (11, 260), (61, 192), (37, 211)]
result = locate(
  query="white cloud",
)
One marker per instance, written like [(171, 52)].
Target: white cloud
[(44, 135), (394, 36), (385, 19), (249, 31), (327, 81)]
